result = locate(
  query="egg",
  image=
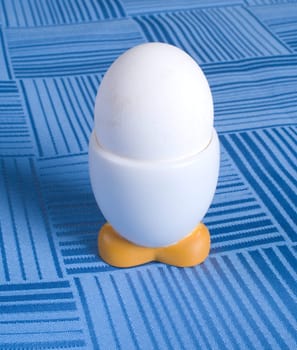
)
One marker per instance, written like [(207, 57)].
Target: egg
[(154, 153), (154, 103)]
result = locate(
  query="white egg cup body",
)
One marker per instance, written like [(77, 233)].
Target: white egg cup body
[(154, 203)]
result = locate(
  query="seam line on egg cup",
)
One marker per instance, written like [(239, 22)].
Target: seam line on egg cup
[(148, 163)]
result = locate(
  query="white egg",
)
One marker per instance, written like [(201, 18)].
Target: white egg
[(154, 103), (154, 154)]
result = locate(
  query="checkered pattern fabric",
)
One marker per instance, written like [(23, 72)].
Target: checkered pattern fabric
[(55, 291)]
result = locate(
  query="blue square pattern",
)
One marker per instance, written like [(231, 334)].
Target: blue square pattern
[(55, 291)]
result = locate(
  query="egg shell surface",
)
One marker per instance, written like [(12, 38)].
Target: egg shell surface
[(154, 103)]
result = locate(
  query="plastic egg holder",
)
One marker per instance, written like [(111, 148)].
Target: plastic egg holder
[(154, 205)]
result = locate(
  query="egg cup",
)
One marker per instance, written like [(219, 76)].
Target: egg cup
[(154, 207)]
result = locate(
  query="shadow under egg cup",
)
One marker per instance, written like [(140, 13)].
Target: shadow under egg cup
[(154, 208)]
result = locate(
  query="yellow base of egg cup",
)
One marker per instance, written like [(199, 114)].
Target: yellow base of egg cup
[(119, 252)]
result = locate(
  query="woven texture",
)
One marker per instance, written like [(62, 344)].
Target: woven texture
[(55, 292)]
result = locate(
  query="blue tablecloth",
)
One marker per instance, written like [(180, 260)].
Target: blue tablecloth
[(55, 292)]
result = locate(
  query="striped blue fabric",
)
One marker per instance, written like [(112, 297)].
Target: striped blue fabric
[(213, 34), (27, 13), (72, 49), (55, 291), (282, 20)]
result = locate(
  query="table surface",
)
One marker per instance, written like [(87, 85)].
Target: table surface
[(55, 292)]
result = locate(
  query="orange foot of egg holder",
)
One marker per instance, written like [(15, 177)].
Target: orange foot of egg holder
[(119, 252)]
